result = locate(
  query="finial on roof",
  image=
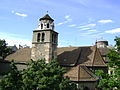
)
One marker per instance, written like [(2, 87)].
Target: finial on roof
[(47, 12)]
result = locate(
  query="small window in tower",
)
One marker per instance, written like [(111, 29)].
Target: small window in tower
[(47, 25), (38, 37), (41, 26), (43, 37)]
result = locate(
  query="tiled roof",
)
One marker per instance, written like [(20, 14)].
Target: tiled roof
[(72, 56), (81, 73), (46, 17), (21, 55), (67, 56)]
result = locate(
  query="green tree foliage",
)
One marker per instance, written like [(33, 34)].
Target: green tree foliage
[(11, 81), (4, 50), (38, 76), (109, 82)]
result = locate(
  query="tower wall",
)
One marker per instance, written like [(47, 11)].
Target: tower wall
[(45, 40)]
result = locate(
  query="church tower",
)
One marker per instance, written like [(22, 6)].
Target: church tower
[(45, 40)]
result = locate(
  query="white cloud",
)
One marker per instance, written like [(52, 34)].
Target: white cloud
[(84, 29), (67, 16), (14, 39), (72, 25), (92, 30), (113, 31), (105, 21), (60, 23), (67, 20), (87, 26), (92, 34), (19, 14)]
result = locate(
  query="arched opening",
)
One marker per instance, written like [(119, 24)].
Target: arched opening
[(38, 37), (43, 37), (41, 26), (47, 25)]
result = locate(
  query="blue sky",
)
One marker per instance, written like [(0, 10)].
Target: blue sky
[(78, 22)]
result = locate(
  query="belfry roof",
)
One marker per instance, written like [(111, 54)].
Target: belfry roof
[(46, 17)]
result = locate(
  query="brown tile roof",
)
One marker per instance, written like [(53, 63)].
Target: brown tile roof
[(67, 56), (71, 56), (21, 55), (81, 73)]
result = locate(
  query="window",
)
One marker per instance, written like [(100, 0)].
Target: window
[(47, 25), (38, 37), (43, 37), (41, 26)]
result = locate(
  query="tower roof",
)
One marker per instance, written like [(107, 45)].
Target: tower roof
[(102, 40), (46, 17)]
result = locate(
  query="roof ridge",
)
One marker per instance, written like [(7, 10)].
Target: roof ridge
[(78, 56), (101, 57), (94, 55), (75, 46)]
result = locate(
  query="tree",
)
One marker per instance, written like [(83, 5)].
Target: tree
[(11, 81), (111, 81), (4, 50), (37, 76)]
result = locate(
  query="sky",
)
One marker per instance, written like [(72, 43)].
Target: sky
[(78, 22)]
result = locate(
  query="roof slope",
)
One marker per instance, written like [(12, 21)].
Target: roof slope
[(21, 55), (98, 60), (67, 56), (81, 73), (72, 56)]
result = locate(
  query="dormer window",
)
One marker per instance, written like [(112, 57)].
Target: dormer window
[(47, 25)]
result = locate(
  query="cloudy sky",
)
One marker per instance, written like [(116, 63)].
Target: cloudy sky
[(78, 22)]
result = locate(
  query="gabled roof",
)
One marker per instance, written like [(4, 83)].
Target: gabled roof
[(81, 73), (46, 17)]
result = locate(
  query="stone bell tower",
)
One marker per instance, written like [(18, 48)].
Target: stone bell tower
[(45, 40)]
